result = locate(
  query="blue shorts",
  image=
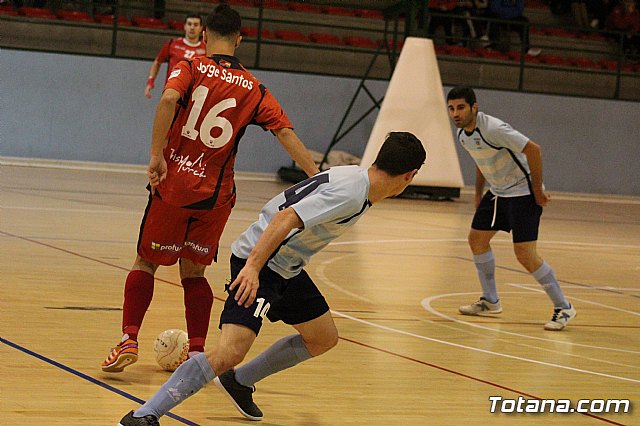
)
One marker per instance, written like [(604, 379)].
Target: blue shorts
[(292, 301), (519, 215)]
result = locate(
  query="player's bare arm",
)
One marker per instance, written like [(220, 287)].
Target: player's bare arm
[(157, 169), (534, 158), (296, 149), (153, 73), (480, 181), (247, 280)]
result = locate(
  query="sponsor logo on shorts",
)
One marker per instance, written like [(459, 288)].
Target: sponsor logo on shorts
[(202, 250), (175, 248)]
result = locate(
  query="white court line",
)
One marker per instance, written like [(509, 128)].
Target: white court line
[(426, 303), (536, 290), (581, 287), (548, 364), (498, 240)]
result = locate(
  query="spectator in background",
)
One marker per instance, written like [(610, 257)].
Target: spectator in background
[(626, 18), (511, 10), (444, 11), (173, 51)]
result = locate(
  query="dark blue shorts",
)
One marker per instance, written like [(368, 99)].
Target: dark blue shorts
[(519, 215), (292, 301)]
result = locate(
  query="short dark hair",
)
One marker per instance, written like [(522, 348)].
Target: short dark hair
[(193, 16), (462, 92), (400, 153), (224, 21)]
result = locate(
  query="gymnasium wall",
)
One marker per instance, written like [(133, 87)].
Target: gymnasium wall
[(70, 107)]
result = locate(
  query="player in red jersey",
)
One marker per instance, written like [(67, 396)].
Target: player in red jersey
[(205, 108), (173, 51)]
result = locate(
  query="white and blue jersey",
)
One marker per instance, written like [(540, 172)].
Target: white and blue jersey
[(328, 203), (496, 149)]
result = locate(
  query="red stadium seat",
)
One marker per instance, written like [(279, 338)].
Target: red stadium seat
[(492, 54), (369, 13), (609, 64), (460, 51), (74, 15), (176, 25), (304, 7), (553, 60), (336, 10), (252, 32), (8, 10), (245, 3), (593, 37), (356, 41), (584, 63), (146, 22), (325, 39), (399, 44), (36, 12), (561, 32), (290, 35), (108, 20), (273, 4)]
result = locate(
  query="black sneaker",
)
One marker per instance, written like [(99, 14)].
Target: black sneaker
[(129, 420), (239, 395)]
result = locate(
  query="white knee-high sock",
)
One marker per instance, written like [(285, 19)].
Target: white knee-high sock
[(547, 279), (188, 379), (486, 266), (283, 354)]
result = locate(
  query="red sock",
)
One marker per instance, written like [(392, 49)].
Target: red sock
[(198, 299), (138, 292)]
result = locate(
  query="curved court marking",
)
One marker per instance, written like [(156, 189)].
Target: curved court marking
[(457, 345), (319, 272), (426, 303)]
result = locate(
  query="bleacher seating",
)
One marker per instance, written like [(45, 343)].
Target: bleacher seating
[(322, 38), (36, 12), (74, 15), (307, 26), (147, 22), (290, 35)]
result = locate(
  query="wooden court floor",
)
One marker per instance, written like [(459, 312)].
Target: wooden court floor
[(394, 282)]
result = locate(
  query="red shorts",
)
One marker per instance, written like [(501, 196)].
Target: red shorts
[(168, 233)]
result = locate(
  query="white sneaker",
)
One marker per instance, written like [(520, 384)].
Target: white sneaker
[(534, 51), (560, 318), (482, 306)]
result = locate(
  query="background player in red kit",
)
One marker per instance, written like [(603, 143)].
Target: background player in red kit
[(205, 108), (173, 51)]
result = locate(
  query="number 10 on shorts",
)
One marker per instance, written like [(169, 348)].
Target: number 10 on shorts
[(262, 308)]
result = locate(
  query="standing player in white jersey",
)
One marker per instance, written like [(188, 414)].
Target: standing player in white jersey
[(512, 165), (268, 279)]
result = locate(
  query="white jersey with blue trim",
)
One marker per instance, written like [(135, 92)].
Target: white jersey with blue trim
[(328, 203), (496, 148)]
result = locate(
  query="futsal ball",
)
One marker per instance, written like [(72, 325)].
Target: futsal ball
[(171, 349)]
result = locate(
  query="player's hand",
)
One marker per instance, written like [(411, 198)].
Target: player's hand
[(147, 91), (247, 284), (542, 198), (156, 171)]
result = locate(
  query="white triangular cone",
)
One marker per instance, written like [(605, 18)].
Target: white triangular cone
[(415, 103)]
